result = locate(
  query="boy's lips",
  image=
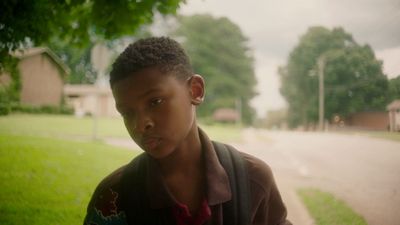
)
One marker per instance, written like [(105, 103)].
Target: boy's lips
[(151, 142)]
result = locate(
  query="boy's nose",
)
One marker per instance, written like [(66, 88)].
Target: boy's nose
[(144, 124)]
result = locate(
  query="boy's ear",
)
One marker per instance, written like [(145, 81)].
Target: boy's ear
[(197, 91)]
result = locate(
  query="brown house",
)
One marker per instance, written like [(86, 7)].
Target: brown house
[(368, 120), (42, 77), (226, 115)]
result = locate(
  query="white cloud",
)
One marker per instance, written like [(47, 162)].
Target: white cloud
[(391, 61)]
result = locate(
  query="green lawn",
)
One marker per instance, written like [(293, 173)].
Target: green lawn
[(62, 126), (46, 178), (328, 210), (49, 181)]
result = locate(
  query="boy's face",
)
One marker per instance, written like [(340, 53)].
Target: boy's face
[(158, 109)]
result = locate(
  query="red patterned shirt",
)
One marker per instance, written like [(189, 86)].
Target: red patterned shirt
[(183, 217)]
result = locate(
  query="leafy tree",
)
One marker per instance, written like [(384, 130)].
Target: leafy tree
[(74, 24), (275, 119), (353, 77), (78, 60), (394, 88), (219, 52), (77, 22)]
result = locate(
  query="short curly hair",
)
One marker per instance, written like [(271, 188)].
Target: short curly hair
[(162, 52)]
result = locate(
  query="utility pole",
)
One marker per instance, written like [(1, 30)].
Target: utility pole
[(321, 67), (100, 60)]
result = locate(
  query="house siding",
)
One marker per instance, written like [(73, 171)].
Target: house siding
[(369, 120), (42, 83)]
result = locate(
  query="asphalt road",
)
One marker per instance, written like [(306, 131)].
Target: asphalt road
[(362, 171)]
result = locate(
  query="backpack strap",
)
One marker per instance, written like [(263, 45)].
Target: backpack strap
[(134, 197), (237, 210)]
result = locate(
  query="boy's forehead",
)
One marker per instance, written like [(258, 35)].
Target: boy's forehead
[(139, 87), (145, 82), (148, 76)]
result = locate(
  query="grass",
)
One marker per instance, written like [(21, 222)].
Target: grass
[(328, 210), (62, 126), (394, 136), (223, 132), (48, 181)]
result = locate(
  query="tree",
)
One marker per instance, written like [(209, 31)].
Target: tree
[(394, 88), (275, 119), (77, 58), (219, 52), (77, 22), (354, 80)]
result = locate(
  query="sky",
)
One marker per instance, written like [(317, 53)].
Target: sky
[(274, 27)]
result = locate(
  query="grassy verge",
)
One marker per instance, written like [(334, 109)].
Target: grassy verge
[(47, 181), (394, 136), (71, 127), (328, 210)]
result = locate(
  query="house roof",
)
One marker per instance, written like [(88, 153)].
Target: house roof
[(24, 53), (394, 105)]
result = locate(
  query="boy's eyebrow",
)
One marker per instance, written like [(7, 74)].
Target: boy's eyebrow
[(148, 92)]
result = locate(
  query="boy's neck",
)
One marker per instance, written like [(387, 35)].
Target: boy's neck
[(183, 172), (187, 158)]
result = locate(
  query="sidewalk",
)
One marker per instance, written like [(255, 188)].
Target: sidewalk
[(297, 213)]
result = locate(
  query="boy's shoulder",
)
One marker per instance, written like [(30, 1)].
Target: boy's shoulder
[(265, 201), (112, 185), (112, 180), (109, 187), (259, 172), (105, 202)]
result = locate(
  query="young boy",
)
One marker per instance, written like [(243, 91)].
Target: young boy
[(180, 178)]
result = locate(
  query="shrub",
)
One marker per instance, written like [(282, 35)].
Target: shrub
[(46, 109)]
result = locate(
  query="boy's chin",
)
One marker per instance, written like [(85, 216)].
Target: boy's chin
[(159, 153)]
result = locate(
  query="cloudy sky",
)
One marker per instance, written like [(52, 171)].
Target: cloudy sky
[(274, 27)]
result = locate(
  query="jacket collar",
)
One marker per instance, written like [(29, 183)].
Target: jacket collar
[(218, 188)]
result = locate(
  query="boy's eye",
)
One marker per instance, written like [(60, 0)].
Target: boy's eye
[(156, 101)]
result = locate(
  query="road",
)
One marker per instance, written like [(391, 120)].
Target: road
[(362, 171)]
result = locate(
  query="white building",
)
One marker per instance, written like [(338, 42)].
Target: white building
[(90, 99), (394, 115)]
